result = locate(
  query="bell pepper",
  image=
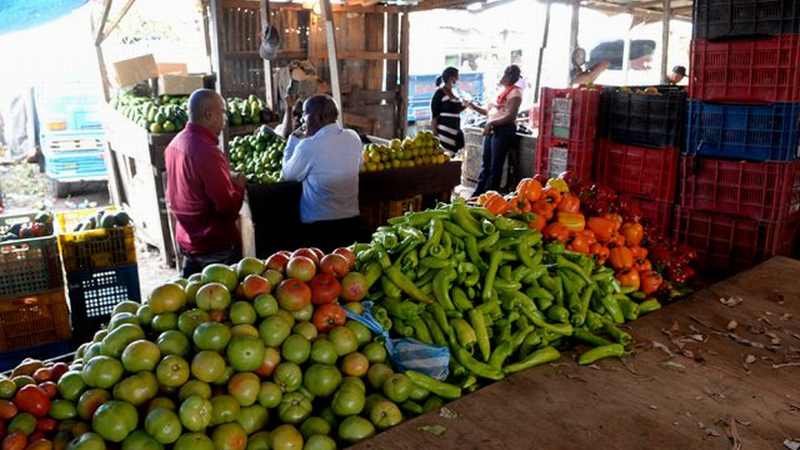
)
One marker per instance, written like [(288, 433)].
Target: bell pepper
[(556, 231), (598, 353), (578, 244), (557, 184), (544, 209), (601, 227), (530, 189), (650, 281), (629, 279), (621, 258), (633, 233), (537, 358), (442, 389), (570, 203)]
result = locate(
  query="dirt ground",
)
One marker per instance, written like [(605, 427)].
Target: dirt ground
[(25, 188)]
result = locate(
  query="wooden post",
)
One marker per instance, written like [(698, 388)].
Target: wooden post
[(216, 41), (626, 53), (97, 30), (405, 34), (265, 21), (207, 34), (546, 34), (574, 28), (665, 25), (333, 62)]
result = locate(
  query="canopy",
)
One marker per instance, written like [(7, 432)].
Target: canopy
[(18, 15)]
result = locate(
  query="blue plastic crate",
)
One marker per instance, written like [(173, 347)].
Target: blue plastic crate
[(93, 295), (76, 166), (745, 132)]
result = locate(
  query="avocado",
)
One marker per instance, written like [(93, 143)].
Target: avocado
[(122, 219)]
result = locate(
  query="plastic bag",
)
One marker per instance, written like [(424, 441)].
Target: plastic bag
[(406, 353)]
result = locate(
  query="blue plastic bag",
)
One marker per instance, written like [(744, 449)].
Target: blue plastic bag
[(406, 353)]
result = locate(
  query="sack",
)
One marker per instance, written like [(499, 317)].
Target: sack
[(407, 354)]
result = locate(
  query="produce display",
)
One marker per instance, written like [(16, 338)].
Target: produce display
[(40, 226), (258, 157), (164, 114), (104, 219), (244, 111), (422, 150)]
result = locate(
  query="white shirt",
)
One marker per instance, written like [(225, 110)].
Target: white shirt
[(327, 164)]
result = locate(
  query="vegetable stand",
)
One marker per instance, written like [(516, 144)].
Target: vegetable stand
[(719, 387)]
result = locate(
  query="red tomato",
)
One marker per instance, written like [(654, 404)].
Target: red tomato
[(32, 399), (49, 388), (46, 424), (328, 316)]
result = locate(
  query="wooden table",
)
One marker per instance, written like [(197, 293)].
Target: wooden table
[(651, 400)]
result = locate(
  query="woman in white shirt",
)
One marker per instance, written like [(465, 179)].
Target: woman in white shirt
[(500, 131)]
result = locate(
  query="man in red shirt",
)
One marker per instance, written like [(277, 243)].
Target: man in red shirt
[(201, 191)]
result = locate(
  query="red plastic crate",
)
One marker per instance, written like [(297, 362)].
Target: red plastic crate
[(556, 156), (761, 191), (654, 213), (569, 114), (765, 70), (727, 244), (640, 171)]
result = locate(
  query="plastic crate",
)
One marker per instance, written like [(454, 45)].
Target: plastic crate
[(28, 266), (655, 214), (727, 244), (724, 19), (748, 132), (761, 191), (35, 319), (648, 120), (66, 221), (765, 70), (569, 114), (93, 295), (556, 156), (97, 249), (640, 171)]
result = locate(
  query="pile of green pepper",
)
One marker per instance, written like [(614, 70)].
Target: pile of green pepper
[(492, 291)]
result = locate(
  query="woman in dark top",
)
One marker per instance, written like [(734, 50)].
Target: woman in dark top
[(446, 110)]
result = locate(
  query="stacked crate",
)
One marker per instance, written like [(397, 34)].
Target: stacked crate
[(638, 151), (568, 124), (33, 308), (740, 174), (101, 270)]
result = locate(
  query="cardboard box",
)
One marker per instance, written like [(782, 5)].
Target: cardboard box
[(128, 72), (179, 84), (167, 68)]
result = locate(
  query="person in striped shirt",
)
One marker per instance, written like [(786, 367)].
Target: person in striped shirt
[(446, 108)]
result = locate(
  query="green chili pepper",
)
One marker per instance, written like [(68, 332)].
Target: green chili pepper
[(471, 274), (441, 287), (437, 387), (491, 309), (617, 334), (478, 322), (586, 298), (558, 313), (534, 275), (629, 308), (403, 328), (519, 336), (504, 273), (648, 306), (627, 290), (505, 243), (435, 231), (537, 318), (412, 407), (406, 285), (470, 383), (436, 333), (462, 217), (440, 316), (491, 273), (598, 353), (503, 328), (454, 229), (519, 273), (453, 314), (421, 331), (502, 286), (564, 263), (372, 273), (534, 292), (505, 223), (488, 241), (390, 289), (465, 335), (460, 299), (500, 354), (531, 341), (425, 280), (405, 310), (543, 303), (587, 337), (433, 403), (482, 213), (554, 248), (612, 308), (537, 358), (594, 321), (435, 263), (487, 227), (524, 247), (477, 368), (387, 239), (472, 252)]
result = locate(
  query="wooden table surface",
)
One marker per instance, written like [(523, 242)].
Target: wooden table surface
[(689, 384)]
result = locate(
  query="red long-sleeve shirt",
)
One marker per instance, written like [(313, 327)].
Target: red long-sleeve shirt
[(200, 191)]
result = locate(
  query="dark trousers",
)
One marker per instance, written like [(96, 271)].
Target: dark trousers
[(495, 149), (195, 263), (330, 234)]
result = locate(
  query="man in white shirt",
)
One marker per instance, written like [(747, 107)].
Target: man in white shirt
[(326, 159)]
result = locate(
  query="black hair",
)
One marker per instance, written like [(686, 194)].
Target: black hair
[(448, 74), (324, 106), (512, 74)]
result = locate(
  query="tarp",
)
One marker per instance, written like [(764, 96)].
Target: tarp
[(18, 15)]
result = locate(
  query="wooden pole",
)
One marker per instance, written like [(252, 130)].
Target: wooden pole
[(101, 62), (125, 8), (405, 35), (98, 31), (545, 36), (207, 34), (665, 25), (574, 28), (333, 62), (626, 53), (216, 42), (265, 21)]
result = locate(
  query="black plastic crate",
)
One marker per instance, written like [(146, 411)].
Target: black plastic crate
[(93, 294), (725, 19), (633, 117)]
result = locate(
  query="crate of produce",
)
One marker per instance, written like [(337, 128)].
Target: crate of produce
[(556, 156), (93, 294), (654, 213), (761, 191), (30, 265), (766, 70), (651, 116), (377, 214), (33, 319), (725, 19), (635, 170), (67, 221), (727, 244), (112, 245), (569, 114), (748, 132)]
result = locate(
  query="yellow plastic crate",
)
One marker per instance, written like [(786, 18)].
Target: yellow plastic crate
[(66, 221)]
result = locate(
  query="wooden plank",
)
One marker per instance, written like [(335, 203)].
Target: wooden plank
[(269, 97), (361, 55), (405, 30), (654, 400), (374, 43), (357, 120), (124, 11), (665, 22), (381, 8), (333, 62), (392, 44), (217, 52), (98, 32)]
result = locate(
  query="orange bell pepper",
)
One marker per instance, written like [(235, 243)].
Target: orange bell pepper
[(530, 189), (650, 281), (634, 233), (601, 227), (629, 278), (569, 203), (574, 222), (556, 231), (538, 223), (600, 253), (621, 257)]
